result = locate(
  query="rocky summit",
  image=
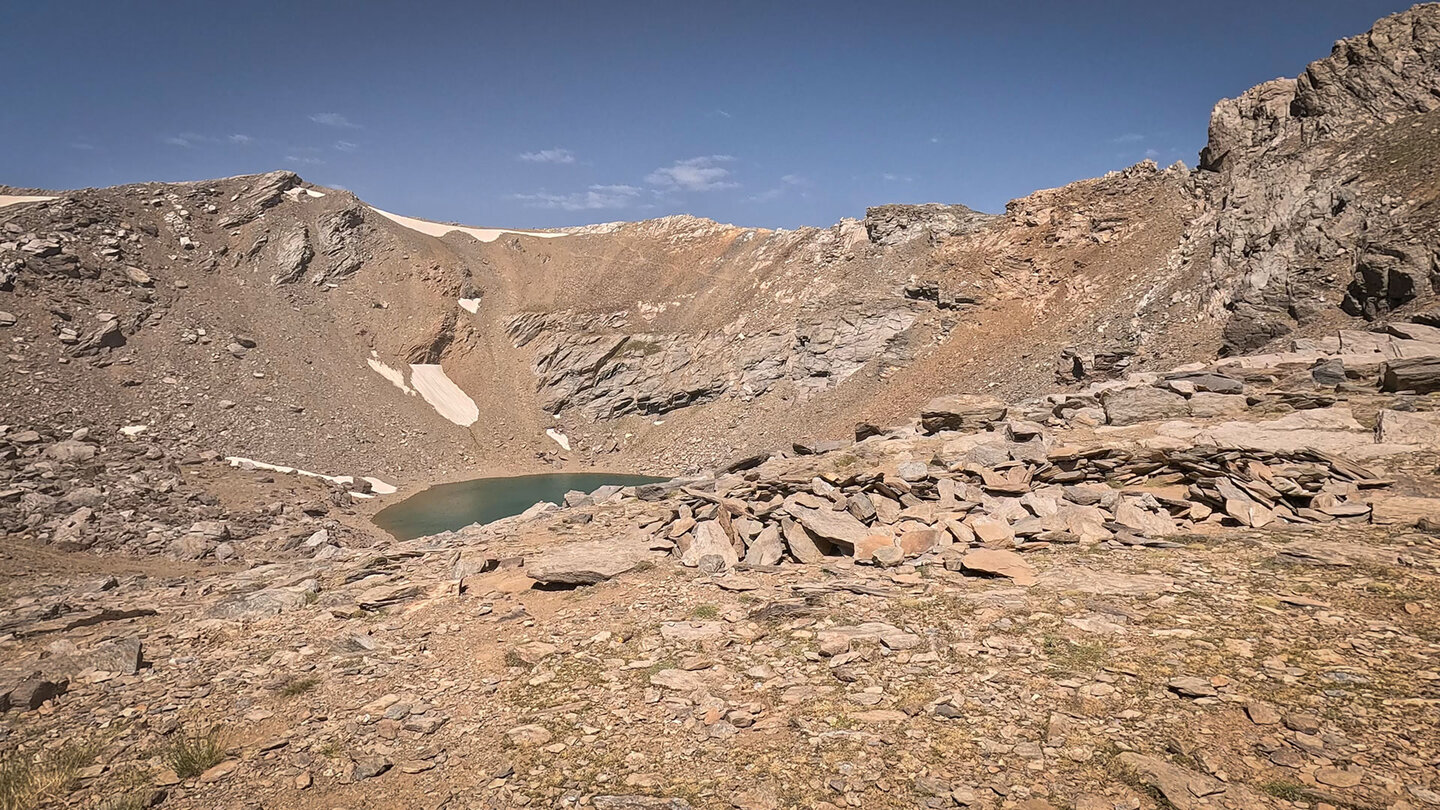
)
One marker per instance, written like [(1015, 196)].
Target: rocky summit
[(1125, 498)]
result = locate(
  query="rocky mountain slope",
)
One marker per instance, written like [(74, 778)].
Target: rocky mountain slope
[(673, 344)]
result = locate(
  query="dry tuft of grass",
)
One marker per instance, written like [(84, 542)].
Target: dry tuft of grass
[(298, 686), (29, 782), (195, 752)]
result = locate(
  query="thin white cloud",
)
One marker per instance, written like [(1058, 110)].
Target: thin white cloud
[(934, 139), (548, 156), (189, 140), (594, 198), (696, 174), (331, 119), (891, 177), (346, 146), (787, 183), (185, 140), (1129, 137), (304, 160), (83, 146), (1152, 153), (721, 113)]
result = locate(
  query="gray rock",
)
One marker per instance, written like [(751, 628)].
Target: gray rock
[(1418, 374), (368, 767), (292, 255), (1129, 406), (71, 452), (767, 548), (586, 563), (803, 546), (32, 692), (710, 541), (913, 471), (828, 524)]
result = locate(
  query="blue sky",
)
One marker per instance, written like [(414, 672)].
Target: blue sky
[(543, 113)]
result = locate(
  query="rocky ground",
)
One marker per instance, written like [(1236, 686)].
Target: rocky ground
[(1217, 587), (1128, 497)]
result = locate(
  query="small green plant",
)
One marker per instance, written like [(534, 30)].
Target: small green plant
[(193, 753), (298, 686), (705, 612), (1289, 791), (29, 782)]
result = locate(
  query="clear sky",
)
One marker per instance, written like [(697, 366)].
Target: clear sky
[(539, 113)]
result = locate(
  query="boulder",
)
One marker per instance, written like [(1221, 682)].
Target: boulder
[(1418, 374), (32, 692), (995, 562), (121, 656), (961, 412), (1207, 381), (766, 549), (829, 524), (803, 546), (1206, 405), (1130, 406), (71, 451), (586, 563), (711, 549)]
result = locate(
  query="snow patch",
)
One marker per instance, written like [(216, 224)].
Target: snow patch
[(437, 229), (394, 375), (470, 305), (560, 438), (443, 394), (377, 486), (297, 191), (15, 199)]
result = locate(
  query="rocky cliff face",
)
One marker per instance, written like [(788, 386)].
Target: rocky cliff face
[(1301, 221)]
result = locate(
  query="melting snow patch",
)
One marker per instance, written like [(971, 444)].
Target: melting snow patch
[(377, 486), (560, 438), (394, 375), (134, 430), (429, 228), (443, 394), (470, 305), (14, 199), (296, 192)]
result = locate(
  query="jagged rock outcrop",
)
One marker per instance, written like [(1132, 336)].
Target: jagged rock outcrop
[(1294, 206), (621, 372), (1390, 71), (889, 225), (291, 255)]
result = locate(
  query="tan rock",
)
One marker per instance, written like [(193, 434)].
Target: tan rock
[(999, 563)]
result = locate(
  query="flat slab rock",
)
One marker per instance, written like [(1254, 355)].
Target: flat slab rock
[(587, 563), (1186, 789), (829, 524), (1107, 583), (996, 562)]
